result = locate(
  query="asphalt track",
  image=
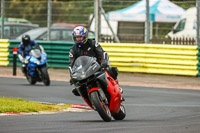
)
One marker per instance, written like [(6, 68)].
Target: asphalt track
[(149, 110)]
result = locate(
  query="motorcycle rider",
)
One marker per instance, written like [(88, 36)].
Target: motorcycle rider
[(89, 47), (24, 48)]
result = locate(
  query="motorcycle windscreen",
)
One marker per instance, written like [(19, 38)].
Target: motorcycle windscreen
[(35, 53), (85, 66)]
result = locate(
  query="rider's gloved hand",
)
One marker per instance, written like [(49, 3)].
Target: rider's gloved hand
[(24, 61), (104, 63)]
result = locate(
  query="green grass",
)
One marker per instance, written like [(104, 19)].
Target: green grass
[(20, 105)]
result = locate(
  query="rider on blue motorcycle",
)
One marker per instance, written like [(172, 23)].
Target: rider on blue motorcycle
[(89, 47), (24, 49)]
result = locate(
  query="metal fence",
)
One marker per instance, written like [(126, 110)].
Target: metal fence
[(81, 11)]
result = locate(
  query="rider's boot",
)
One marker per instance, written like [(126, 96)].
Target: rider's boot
[(122, 97), (75, 92), (121, 90)]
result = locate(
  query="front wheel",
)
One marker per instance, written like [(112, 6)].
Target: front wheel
[(121, 115), (100, 106), (30, 79), (45, 76)]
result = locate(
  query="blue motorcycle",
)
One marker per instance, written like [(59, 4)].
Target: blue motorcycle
[(36, 68)]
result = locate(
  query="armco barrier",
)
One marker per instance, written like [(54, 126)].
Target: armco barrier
[(145, 58), (4, 43), (154, 58), (198, 65), (57, 52)]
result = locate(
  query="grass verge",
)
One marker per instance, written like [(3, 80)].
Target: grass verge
[(19, 105)]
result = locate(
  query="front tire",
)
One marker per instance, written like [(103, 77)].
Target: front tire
[(45, 76), (121, 115), (31, 80), (100, 106)]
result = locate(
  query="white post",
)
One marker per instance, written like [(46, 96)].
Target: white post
[(49, 20), (147, 24), (2, 18), (97, 20)]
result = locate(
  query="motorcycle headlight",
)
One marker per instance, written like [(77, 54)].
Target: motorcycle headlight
[(83, 74)]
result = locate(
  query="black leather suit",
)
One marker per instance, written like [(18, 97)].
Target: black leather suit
[(90, 48), (93, 49)]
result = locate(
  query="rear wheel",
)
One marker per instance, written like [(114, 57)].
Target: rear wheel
[(121, 115), (45, 76), (100, 106)]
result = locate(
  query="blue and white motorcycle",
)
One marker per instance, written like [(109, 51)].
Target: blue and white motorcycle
[(36, 67)]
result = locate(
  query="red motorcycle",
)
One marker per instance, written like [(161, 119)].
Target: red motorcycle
[(98, 89)]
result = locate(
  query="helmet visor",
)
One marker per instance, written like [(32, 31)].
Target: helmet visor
[(79, 38), (26, 42)]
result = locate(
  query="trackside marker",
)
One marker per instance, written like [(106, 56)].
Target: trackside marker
[(79, 108), (14, 61)]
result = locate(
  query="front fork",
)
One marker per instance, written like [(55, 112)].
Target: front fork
[(39, 71), (102, 94), (100, 91)]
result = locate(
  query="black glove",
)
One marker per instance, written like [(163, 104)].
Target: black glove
[(104, 63)]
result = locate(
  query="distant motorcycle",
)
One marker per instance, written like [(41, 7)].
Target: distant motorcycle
[(98, 89), (36, 68)]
